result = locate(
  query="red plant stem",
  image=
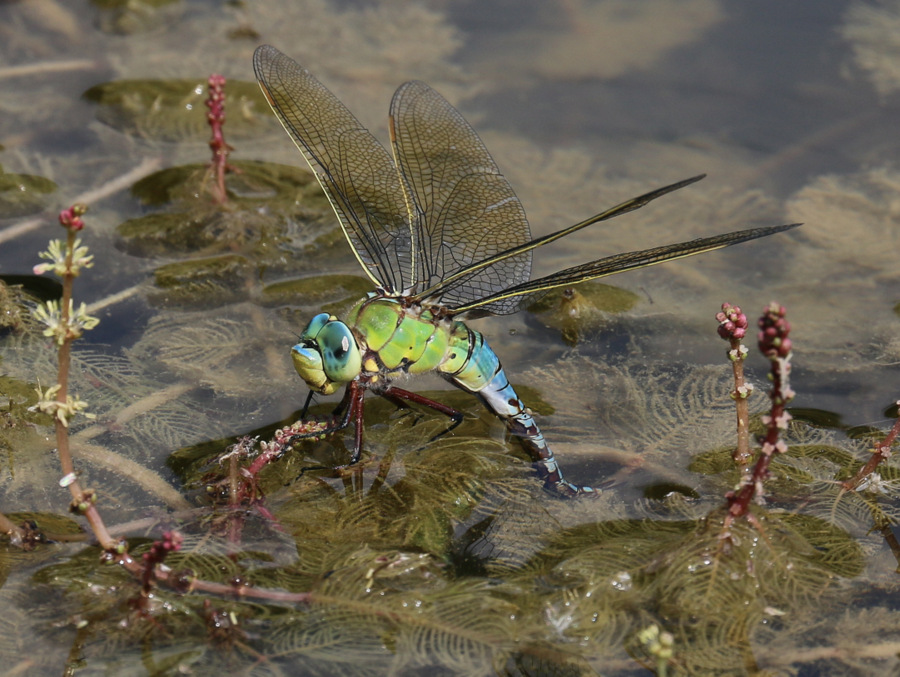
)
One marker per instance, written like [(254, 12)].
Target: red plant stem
[(739, 503), (741, 455), (63, 360), (185, 583), (154, 558), (234, 486), (220, 149), (732, 328), (283, 439), (235, 516), (264, 459), (881, 453), (775, 344)]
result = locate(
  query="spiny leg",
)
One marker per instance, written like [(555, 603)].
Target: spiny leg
[(351, 406), (355, 406), (309, 398), (455, 416), (335, 413)]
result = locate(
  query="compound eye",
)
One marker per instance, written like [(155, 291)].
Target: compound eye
[(315, 326), (340, 354)]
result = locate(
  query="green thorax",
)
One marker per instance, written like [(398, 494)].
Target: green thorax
[(396, 337)]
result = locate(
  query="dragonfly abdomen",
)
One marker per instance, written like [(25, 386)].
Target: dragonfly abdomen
[(472, 365)]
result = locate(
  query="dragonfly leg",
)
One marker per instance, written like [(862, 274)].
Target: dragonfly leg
[(309, 398), (353, 400), (351, 407), (398, 393)]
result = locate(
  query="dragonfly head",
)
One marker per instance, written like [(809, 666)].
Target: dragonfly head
[(326, 356)]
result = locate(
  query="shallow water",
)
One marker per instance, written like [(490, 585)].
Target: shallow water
[(791, 111)]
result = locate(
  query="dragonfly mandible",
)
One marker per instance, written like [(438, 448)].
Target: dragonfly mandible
[(443, 238)]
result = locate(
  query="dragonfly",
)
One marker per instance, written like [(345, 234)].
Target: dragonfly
[(442, 236)]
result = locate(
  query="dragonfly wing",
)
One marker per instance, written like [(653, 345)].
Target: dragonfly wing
[(468, 210), (354, 169), (515, 296), (502, 305)]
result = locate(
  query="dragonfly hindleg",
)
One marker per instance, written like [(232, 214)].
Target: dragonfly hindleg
[(455, 416)]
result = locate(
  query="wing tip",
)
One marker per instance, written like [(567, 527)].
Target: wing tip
[(261, 52), (783, 227)]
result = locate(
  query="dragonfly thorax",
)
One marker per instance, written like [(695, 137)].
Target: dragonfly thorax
[(327, 355)]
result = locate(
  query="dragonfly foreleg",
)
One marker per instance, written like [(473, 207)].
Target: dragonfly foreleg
[(354, 403), (309, 398), (351, 407)]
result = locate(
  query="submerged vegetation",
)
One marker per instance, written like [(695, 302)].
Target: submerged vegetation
[(241, 554)]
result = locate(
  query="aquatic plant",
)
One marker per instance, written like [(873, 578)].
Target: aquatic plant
[(215, 102), (733, 328), (775, 344), (881, 452), (64, 323), (430, 554)]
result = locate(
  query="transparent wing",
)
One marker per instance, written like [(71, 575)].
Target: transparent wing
[(515, 296), (467, 211), (355, 170), (501, 304)]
